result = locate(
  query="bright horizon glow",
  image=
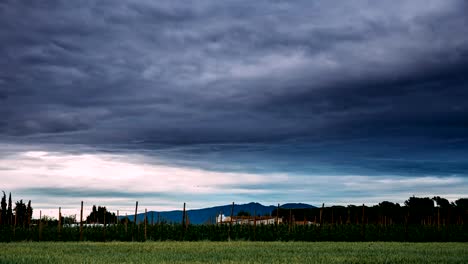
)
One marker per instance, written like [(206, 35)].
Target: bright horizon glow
[(53, 179)]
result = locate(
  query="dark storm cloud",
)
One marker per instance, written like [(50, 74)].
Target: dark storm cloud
[(132, 71), (374, 157)]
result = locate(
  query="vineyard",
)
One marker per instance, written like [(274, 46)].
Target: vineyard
[(282, 232)]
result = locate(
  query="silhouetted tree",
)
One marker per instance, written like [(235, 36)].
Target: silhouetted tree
[(67, 220), (390, 211), (462, 203), (419, 208), (388, 208), (441, 202), (9, 216), (4, 210), (29, 212), (93, 214), (21, 213), (97, 215)]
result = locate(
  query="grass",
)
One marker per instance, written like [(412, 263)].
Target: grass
[(233, 252)]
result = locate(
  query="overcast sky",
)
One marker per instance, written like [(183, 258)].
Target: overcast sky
[(211, 102)]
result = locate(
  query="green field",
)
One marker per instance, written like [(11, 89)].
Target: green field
[(233, 252)]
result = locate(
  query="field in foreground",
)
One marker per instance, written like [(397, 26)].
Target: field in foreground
[(233, 252)]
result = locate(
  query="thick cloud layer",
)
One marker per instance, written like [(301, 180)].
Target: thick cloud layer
[(124, 71)]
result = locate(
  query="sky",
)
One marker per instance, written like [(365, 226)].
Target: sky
[(165, 102)]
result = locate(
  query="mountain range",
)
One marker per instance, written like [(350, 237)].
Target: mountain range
[(207, 215)]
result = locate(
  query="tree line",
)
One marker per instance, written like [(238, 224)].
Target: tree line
[(415, 210), (20, 215)]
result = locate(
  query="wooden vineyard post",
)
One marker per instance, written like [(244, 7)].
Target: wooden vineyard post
[(438, 218), (136, 212), (363, 223), (321, 214), (29, 218), (40, 225), (277, 221), (81, 222), (59, 227), (230, 222), (183, 217), (182, 234), (146, 220), (293, 222), (348, 219), (126, 223), (255, 225), (16, 219), (135, 221), (277, 214), (104, 230), (319, 229), (406, 227), (232, 211), (448, 216), (290, 221), (332, 217)]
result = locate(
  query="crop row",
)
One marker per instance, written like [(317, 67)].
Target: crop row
[(282, 232)]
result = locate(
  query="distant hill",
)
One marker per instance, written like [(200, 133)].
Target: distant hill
[(297, 206), (205, 215)]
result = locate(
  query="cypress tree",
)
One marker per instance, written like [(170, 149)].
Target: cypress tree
[(9, 216), (94, 213), (29, 212), (4, 210), (21, 212)]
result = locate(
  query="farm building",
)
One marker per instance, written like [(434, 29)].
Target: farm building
[(248, 220)]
